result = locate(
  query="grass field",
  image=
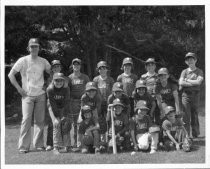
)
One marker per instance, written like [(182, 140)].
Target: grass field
[(197, 155)]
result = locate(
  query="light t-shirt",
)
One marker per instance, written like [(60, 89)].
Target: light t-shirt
[(32, 74)]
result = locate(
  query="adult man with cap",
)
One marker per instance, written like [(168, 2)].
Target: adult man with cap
[(31, 68), (190, 81), (77, 82)]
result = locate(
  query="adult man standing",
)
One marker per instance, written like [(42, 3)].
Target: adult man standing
[(31, 68)]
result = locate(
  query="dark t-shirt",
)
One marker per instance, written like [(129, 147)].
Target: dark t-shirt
[(146, 97), (92, 102), (58, 98), (104, 86), (192, 75), (77, 85), (140, 126), (128, 83), (84, 126), (167, 93)]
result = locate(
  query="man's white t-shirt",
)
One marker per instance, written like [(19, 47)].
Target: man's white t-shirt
[(32, 74)]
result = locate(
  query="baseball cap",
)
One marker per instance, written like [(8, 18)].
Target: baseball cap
[(141, 105), (33, 42), (117, 102), (140, 83), (190, 54), (58, 76), (55, 62), (102, 64), (150, 60), (127, 61), (76, 60), (90, 86), (163, 71), (117, 87), (169, 109)]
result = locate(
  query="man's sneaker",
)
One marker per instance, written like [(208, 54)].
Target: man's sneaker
[(152, 151), (49, 148), (64, 150), (84, 151), (97, 151), (75, 149), (40, 149), (21, 151), (56, 151)]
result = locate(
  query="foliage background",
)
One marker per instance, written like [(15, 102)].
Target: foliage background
[(166, 33)]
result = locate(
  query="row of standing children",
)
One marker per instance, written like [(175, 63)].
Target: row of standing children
[(139, 107)]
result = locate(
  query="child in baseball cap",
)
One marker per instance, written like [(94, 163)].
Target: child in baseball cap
[(173, 130), (88, 131), (142, 133), (121, 125), (58, 106)]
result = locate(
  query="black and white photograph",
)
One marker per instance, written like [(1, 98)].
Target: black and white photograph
[(104, 84)]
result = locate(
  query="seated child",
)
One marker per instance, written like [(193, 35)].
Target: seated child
[(174, 132), (140, 127), (88, 131), (121, 125), (58, 99)]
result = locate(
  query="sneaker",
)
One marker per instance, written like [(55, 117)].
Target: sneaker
[(76, 149), (40, 149), (64, 150), (21, 151), (56, 151), (49, 148), (97, 151), (84, 151), (152, 151)]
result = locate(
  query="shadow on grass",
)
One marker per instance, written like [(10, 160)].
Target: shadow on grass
[(197, 143)]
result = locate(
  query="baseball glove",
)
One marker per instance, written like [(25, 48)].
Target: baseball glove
[(154, 128), (65, 125), (187, 144)]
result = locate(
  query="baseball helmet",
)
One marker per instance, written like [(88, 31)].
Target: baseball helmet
[(85, 109), (76, 60), (140, 84), (55, 62), (127, 61), (90, 86), (163, 71), (169, 109), (102, 64), (150, 60), (58, 76), (117, 86), (190, 54), (33, 42), (117, 102), (141, 105)]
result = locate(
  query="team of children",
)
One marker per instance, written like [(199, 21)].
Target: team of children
[(146, 112)]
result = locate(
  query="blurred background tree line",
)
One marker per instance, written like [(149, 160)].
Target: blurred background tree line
[(110, 33)]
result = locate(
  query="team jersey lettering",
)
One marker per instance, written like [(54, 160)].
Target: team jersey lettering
[(165, 91), (127, 80), (58, 97), (118, 123), (103, 85), (140, 126), (77, 81)]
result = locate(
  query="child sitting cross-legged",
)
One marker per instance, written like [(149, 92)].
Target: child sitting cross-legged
[(143, 133), (88, 132)]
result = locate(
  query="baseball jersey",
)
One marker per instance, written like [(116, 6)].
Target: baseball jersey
[(121, 123), (85, 125), (140, 126), (77, 85), (104, 86), (173, 127), (150, 82), (191, 75), (128, 83), (32, 74), (58, 98), (147, 98), (167, 93), (94, 102)]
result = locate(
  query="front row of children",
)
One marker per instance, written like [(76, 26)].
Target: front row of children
[(138, 132)]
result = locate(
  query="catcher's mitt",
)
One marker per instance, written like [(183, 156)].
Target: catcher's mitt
[(65, 125), (154, 128), (187, 144)]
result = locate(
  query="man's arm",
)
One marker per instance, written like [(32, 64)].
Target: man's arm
[(196, 82), (14, 82), (176, 98)]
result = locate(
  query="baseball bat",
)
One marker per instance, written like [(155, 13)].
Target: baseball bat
[(114, 146)]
